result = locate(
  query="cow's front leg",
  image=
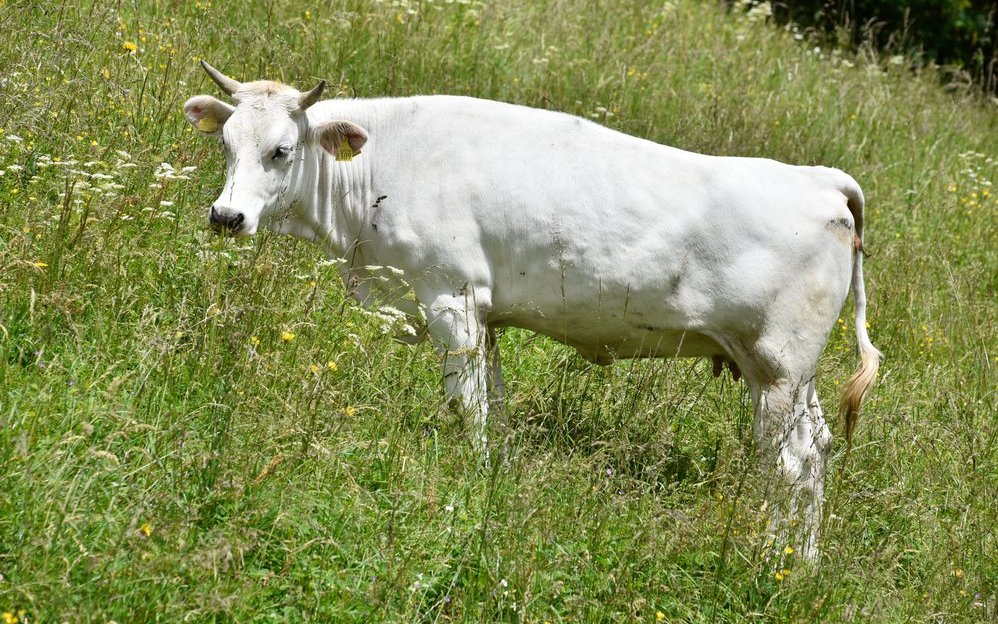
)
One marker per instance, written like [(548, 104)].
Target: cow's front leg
[(459, 334)]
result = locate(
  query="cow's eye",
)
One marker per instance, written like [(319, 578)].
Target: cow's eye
[(281, 152)]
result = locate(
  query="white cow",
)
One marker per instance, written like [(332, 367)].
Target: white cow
[(502, 215)]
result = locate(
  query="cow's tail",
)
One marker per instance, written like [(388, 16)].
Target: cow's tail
[(859, 384)]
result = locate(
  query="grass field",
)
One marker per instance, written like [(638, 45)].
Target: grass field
[(196, 429)]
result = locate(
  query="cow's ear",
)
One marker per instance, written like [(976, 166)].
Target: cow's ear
[(342, 139), (207, 114)]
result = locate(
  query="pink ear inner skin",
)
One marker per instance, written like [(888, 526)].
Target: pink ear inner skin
[(336, 132), (357, 141), (194, 114), (329, 140)]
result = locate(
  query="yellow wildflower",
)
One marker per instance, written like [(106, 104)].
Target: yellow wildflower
[(254, 341), (958, 573), (9, 618), (287, 336), (659, 616), (779, 576), (331, 365), (130, 46), (789, 550), (314, 368), (349, 410), (146, 529)]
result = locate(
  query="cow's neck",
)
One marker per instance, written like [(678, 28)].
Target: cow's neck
[(328, 203)]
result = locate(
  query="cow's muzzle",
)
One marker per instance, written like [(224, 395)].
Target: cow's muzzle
[(223, 220)]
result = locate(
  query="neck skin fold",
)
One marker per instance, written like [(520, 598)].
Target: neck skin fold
[(326, 203)]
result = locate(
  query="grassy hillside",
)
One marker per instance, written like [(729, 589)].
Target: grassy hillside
[(205, 430)]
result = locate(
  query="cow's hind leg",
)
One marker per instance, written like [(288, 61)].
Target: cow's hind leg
[(793, 440), (496, 385), (458, 331), (822, 438)]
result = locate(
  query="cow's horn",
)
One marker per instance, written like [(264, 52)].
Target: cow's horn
[(311, 97), (227, 84)]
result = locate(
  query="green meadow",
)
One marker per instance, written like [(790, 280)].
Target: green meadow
[(202, 429)]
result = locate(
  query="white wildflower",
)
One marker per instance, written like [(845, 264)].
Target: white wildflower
[(166, 171), (760, 12)]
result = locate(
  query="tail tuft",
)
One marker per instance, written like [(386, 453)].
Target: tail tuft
[(857, 387)]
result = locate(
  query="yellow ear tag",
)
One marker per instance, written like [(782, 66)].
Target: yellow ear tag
[(207, 124), (344, 152)]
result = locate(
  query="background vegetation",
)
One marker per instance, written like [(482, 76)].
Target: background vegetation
[(961, 33), (201, 430)]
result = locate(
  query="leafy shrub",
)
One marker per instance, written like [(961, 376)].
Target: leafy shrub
[(948, 32)]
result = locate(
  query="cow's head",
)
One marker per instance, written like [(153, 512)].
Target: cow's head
[(265, 135)]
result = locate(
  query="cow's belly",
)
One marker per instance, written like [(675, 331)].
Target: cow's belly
[(603, 340)]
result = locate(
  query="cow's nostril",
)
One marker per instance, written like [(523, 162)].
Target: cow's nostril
[(225, 220)]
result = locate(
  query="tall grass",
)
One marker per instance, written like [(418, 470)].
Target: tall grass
[(200, 429)]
